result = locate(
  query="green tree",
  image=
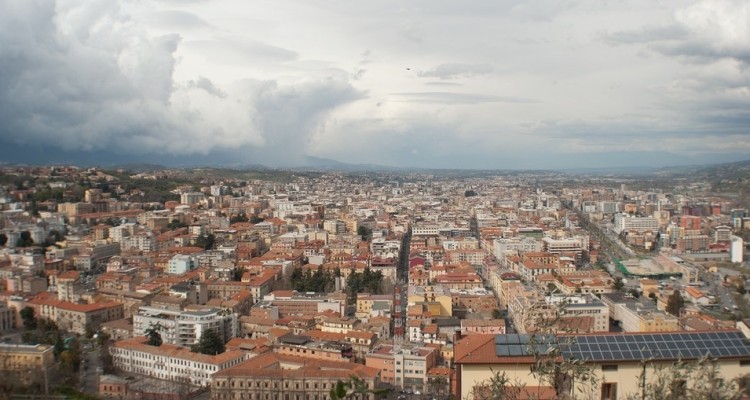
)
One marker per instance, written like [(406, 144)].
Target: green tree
[(25, 240), (354, 387), (675, 302), (153, 335), (206, 241), (28, 318), (59, 346), (364, 232), (238, 218), (238, 272), (497, 387), (695, 380), (209, 343), (618, 284), (175, 224)]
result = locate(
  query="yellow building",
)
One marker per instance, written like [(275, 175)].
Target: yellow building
[(617, 361), (437, 298), (26, 362)]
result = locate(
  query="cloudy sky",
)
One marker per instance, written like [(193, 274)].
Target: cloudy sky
[(423, 83)]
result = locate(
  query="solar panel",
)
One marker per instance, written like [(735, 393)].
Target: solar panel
[(607, 347)]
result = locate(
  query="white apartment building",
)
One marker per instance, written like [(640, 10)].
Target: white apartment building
[(170, 362), (143, 241), (625, 222), (380, 247), (425, 230), (192, 197), (522, 244), (583, 306), (185, 327), (180, 264), (736, 249), (575, 244)]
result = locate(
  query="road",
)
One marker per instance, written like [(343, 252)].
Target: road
[(90, 369)]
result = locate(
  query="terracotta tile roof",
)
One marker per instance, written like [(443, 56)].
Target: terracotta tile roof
[(480, 349), (267, 365), (69, 275)]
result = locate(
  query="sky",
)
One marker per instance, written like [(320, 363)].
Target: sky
[(426, 83)]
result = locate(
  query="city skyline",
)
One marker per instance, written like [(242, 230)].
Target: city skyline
[(515, 85)]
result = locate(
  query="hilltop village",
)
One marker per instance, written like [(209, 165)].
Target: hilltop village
[(301, 285)]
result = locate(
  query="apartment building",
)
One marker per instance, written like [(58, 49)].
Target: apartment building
[(305, 346), (74, 317), (276, 376), (628, 223), (185, 327), (26, 362), (404, 366), (291, 302)]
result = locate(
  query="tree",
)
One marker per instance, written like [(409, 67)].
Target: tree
[(352, 388), (696, 380), (364, 232), (176, 224), (205, 241), (497, 387), (210, 343), (28, 318), (108, 365), (153, 335), (238, 272), (675, 303), (618, 284), (25, 240), (238, 218)]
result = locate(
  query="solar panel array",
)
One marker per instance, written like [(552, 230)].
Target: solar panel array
[(515, 345), (667, 346)]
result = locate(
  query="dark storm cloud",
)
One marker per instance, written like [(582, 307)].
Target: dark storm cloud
[(85, 77)]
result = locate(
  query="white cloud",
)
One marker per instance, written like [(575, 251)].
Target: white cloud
[(420, 83)]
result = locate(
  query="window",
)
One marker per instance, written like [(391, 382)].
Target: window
[(609, 367), (744, 363), (609, 391)]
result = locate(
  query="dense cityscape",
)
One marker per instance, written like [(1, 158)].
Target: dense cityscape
[(300, 284)]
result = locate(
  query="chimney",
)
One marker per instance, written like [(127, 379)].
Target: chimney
[(456, 335)]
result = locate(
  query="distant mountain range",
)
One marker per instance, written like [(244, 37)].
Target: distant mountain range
[(48, 155)]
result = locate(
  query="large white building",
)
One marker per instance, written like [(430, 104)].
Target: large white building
[(626, 222), (583, 306), (523, 244), (170, 362), (180, 264), (185, 327), (736, 249)]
